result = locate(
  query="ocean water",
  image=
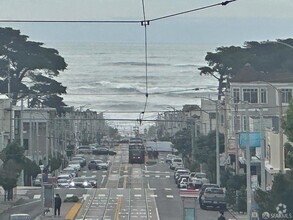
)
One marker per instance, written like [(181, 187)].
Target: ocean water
[(113, 78)]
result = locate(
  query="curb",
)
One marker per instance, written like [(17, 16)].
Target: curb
[(73, 211), (71, 214), (234, 214)]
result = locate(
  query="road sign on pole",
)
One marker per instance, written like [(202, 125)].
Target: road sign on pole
[(48, 195)]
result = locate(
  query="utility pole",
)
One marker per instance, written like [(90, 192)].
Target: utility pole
[(236, 126), (248, 171), (263, 156), (281, 131), (217, 144), (10, 103)]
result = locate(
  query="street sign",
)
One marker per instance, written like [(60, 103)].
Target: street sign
[(48, 195), (189, 193), (189, 213), (232, 146)]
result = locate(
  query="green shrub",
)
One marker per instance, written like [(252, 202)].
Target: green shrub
[(71, 199)]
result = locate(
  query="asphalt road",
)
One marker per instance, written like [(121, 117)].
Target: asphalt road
[(128, 191)]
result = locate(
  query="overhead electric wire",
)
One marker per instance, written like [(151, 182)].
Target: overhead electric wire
[(191, 10), (145, 23), (116, 21)]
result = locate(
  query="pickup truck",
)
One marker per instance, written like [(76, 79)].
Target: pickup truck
[(214, 198)]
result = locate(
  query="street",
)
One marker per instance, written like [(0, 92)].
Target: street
[(126, 191)]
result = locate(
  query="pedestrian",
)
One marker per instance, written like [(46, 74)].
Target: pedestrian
[(57, 204), (222, 217)]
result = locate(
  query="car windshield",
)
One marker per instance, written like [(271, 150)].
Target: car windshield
[(200, 175), (79, 179), (134, 91), (214, 191)]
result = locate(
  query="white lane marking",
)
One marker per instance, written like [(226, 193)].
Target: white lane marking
[(101, 195), (137, 195), (137, 188), (154, 196), (170, 196), (103, 178), (37, 196), (157, 176), (167, 176), (147, 175), (119, 195), (152, 188), (168, 189)]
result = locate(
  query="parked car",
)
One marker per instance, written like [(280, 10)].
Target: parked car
[(214, 198), (180, 172), (169, 158), (203, 188), (180, 177), (38, 180), (176, 162), (183, 183), (103, 151)]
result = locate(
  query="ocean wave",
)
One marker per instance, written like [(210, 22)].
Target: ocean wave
[(184, 65), (136, 64), (118, 87)]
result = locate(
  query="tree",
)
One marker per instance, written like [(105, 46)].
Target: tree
[(22, 61), (288, 122), (13, 161), (264, 56), (282, 192)]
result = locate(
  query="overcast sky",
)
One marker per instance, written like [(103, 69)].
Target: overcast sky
[(237, 22)]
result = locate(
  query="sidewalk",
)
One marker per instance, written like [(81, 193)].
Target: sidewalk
[(238, 216), (66, 207)]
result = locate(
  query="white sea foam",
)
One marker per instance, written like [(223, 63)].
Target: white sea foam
[(112, 77)]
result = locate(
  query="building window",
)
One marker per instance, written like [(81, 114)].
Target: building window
[(286, 95), (236, 95), (245, 123), (263, 96), (250, 95)]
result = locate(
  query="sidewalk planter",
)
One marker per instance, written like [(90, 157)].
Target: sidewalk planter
[(71, 199)]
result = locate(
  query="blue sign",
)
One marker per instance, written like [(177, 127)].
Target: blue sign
[(253, 139), (189, 214)]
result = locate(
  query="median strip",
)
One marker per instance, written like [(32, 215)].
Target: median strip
[(73, 211)]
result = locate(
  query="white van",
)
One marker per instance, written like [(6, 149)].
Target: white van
[(176, 162), (20, 217)]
